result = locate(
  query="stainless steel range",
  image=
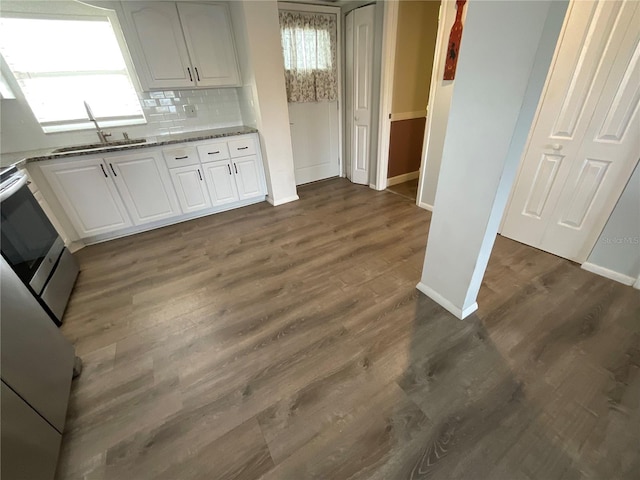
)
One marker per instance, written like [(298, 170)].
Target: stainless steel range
[(32, 246)]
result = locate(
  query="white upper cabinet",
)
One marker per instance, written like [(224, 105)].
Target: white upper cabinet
[(144, 184), (88, 195), (188, 45), (157, 45), (207, 31)]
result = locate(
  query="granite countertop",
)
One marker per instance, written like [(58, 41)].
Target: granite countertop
[(21, 158)]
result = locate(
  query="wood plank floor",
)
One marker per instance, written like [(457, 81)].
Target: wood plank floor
[(408, 189), (291, 343)]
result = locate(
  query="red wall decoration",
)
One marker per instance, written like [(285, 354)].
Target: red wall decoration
[(454, 43)]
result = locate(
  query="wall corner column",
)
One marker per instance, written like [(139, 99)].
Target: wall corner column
[(506, 51)]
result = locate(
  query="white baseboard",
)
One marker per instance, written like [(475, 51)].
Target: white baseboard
[(610, 274), (405, 177), (637, 284), (426, 206), (282, 201), (439, 299), (408, 115)]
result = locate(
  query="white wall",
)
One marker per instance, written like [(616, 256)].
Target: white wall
[(163, 110), (257, 31), (438, 109), (497, 87), (617, 251)]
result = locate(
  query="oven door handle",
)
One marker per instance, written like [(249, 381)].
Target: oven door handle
[(13, 188)]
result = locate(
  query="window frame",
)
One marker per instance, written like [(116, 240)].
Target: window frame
[(83, 124)]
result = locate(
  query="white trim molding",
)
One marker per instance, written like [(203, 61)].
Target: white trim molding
[(405, 177), (395, 117), (637, 284), (611, 274), (443, 302), (424, 205), (442, 38), (282, 201), (389, 34)]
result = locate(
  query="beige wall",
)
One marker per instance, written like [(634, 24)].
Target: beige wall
[(415, 45)]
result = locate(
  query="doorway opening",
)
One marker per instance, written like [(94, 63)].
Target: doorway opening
[(311, 46), (416, 33)]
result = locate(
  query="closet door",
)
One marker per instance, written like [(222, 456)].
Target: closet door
[(584, 144), (359, 95)]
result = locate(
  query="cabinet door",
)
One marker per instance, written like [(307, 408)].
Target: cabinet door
[(145, 187), (155, 37), (220, 181), (248, 177), (88, 195), (207, 31), (190, 188)]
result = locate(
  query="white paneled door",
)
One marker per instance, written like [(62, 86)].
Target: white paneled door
[(359, 78), (315, 126), (584, 144), (314, 139)]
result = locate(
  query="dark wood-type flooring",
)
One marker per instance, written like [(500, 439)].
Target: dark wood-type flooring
[(408, 189), (291, 343)]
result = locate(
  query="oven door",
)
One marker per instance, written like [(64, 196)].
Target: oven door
[(30, 243)]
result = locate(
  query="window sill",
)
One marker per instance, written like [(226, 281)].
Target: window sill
[(90, 126)]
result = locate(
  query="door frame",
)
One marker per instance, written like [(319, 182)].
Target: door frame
[(304, 7), (389, 37), (442, 39)]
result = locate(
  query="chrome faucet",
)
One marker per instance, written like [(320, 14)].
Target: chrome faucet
[(102, 135)]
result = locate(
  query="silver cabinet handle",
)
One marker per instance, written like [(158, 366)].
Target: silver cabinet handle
[(229, 167), (181, 158), (113, 170), (213, 153), (103, 171), (197, 74), (235, 167), (199, 175), (190, 77)]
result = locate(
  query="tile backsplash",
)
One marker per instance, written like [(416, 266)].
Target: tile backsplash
[(219, 107), (215, 108)]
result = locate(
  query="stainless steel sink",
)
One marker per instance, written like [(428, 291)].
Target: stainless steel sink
[(98, 146)]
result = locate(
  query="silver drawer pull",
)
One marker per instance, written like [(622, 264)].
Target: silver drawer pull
[(182, 158), (242, 148), (214, 153)]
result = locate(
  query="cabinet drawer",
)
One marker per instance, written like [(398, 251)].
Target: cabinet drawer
[(242, 147), (180, 156), (213, 151)]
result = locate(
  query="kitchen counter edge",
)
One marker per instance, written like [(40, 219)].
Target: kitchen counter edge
[(160, 140)]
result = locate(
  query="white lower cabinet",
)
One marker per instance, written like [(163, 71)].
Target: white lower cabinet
[(144, 184), (190, 187), (111, 194), (88, 195), (220, 181), (248, 177)]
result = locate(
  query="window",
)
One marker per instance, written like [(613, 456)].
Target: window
[(309, 50), (306, 49), (59, 63)]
